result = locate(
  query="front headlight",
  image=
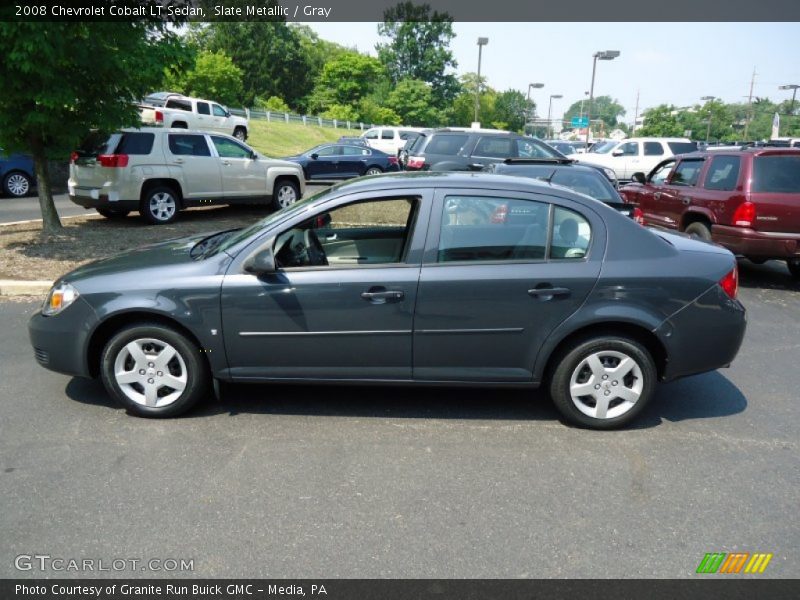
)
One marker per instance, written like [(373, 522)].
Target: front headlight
[(59, 298)]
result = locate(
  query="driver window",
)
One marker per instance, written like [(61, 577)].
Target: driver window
[(630, 149), (371, 232), (660, 175), (229, 149)]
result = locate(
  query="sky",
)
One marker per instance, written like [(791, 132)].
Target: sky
[(672, 63)]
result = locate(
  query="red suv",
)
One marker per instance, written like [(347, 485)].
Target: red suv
[(746, 200)]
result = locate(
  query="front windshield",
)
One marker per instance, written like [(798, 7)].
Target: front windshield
[(603, 147), (275, 217)]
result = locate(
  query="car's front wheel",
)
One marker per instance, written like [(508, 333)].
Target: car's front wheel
[(154, 371), (603, 382), (699, 230), (160, 205), (285, 194), (374, 171), (240, 133), (17, 184)]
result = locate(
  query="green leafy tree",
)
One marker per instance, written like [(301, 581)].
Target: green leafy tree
[(214, 76), (371, 112), (417, 47), (511, 108), (604, 108), (61, 79), (412, 100), (463, 111), (340, 112), (273, 103), (345, 80), (661, 121)]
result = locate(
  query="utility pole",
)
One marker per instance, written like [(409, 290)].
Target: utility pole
[(636, 112), (749, 106)]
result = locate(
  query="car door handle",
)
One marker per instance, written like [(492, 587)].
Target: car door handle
[(657, 195), (476, 166), (179, 160), (227, 163), (383, 296), (546, 293), (332, 238)]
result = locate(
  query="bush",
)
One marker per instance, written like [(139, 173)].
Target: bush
[(273, 104)]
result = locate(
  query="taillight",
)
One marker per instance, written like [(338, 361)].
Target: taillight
[(73, 157), (500, 214), (638, 215), (730, 283), (159, 116), (113, 160), (415, 162), (392, 160), (744, 215)]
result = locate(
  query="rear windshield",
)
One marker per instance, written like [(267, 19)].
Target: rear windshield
[(447, 144), (136, 143), (682, 147), (415, 144), (776, 174)]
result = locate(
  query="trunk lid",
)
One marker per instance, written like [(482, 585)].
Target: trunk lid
[(685, 243)]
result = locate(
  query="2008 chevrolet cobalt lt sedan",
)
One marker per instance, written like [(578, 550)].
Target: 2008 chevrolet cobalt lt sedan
[(430, 278)]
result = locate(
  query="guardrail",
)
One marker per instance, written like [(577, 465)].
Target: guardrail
[(288, 117)]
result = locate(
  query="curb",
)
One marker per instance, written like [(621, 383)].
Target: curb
[(88, 214), (9, 287)]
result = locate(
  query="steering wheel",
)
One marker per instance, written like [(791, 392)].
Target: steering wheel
[(314, 250)]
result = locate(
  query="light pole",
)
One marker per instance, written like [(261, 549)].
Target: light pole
[(482, 41), (585, 94), (793, 87), (602, 55), (549, 109), (536, 86), (708, 128)]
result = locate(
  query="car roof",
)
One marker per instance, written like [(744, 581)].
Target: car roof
[(755, 151), (555, 164)]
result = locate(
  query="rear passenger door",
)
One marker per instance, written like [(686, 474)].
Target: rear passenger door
[(500, 271), (191, 162)]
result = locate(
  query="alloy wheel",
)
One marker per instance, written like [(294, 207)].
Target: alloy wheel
[(162, 206), (17, 184), (373, 171), (150, 372), (606, 384), (286, 196)]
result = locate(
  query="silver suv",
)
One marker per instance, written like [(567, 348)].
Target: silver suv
[(158, 172)]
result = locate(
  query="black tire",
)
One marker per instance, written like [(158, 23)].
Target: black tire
[(373, 170), (699, 230), (794, 267), (572, 363), (113, 213), (187, 362), (285, 194), (156, 203), (240, 133), (17, 184)]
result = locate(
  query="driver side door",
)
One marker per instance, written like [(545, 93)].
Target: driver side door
[(341, 311)]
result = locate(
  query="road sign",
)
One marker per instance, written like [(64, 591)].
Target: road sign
[(580, 121)]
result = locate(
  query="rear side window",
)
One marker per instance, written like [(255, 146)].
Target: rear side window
[(203, 108), (571, 234), (387, 134), (178, 104), (495, 147), (136, 143), (353, 151), (446, 144), (723, 174), (682, 147), (776, 174), (653, 149), (188, 145), (687, 172)]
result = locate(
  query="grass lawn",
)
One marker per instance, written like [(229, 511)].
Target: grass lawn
[(277, 139)]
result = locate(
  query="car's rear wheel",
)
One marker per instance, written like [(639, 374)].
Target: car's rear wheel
[(154, 371), (374, 171), (113, 213), (160, 205), (240, 133), (699, 230), (285, 194), (603, 382), (17, 184), (794, 267)]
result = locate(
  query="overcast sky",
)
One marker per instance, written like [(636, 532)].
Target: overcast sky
[(673, 63)]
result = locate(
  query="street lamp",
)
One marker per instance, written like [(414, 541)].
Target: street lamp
[(708, 99), (536, 86), (482, 41), (602, 55), (793, 87), (549, 109)]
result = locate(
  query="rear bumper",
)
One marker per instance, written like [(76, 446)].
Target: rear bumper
[(749, 242), (60, 342), (102, 201), (704, 335)]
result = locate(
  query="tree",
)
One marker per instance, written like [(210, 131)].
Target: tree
[(371, 112), (273, 103), (345, 80), (412, 100), (418, 47), (660, 121), (603, 107), (61, 79), (512, 108), (340, 112), (214, 76), (463, 111)]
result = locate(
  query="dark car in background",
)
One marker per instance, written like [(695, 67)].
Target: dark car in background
[(565, 147), (406, 279), (746, 200), (343, 161), (352, 141), (17, 174), (584, 179), (471, 149)]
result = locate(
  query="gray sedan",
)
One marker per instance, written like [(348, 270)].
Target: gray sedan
[(420, 279)]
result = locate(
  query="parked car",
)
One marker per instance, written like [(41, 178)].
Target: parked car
[(405, 279), (633, 155), (17, 174), (182, 112), (471, 150), (585, 179), (746, 200), (343, 161), (161, 171), (352, 141), (564, 147), (389, 139)]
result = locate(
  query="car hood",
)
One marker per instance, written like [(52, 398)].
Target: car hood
[(686, 243), (278, 162), (151, 257)]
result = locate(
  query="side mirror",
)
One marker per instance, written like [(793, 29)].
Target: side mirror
[(262, 262), (639, 177), (617, 153), (314, 156), (253, 155)]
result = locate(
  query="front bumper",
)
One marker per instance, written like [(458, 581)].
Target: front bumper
[(760, 244), (60, 342), (704, 335)]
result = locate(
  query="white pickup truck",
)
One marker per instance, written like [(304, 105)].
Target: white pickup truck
[(183, 112)]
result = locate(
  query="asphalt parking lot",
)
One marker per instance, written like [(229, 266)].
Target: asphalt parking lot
[(300, 481)]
